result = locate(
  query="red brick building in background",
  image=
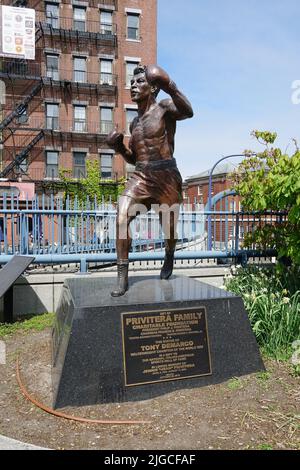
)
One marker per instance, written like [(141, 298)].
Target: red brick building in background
[(61, 106), (196, 194), (195, 188)]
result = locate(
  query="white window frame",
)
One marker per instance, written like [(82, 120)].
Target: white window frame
[(130, 14), (106, 78)]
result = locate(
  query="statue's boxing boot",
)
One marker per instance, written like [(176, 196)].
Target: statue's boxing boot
[(122, 286), (167, 269)]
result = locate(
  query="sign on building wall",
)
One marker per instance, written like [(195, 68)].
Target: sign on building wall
[(17, 28)]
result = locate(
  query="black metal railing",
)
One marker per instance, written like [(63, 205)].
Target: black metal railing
[(83, 126), (20, 68), (107, 79), (106, 127), (15, 68), (39, 174), (80, 125), (95, 3), (53, 22), (50, 123)]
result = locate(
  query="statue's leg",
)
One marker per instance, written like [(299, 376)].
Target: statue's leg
[(169, 225), (123, 244)]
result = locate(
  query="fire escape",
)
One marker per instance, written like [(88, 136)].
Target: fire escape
[(43, 83)]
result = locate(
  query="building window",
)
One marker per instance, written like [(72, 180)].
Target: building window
[(106, 165), (52, 114), (79, 18), (79, 159), (106, 26), (106, 120), (52, 14), (133, 26), (52, 66), (23, 166), (79, 118), (51, 164), (106, 77), (130, 66), (130, 115), (22, 116), (79, 67), (199, 190)]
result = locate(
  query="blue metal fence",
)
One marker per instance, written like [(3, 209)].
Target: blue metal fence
[(65, 230)]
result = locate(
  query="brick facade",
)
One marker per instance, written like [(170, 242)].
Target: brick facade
[(71, 48)]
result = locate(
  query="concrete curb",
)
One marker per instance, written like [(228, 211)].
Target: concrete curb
[(6, 443)]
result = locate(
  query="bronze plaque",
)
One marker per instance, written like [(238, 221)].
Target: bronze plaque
[(165, 345)]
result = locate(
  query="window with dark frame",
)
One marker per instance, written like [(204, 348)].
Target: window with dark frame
[(79, 164), (79, 69), (106, 120), (51, 164), (106, 165), (52, 14), (23, 166), (106, 24), (52, 66), (79, 19), (52, 116), (80, 118), (22, 117)]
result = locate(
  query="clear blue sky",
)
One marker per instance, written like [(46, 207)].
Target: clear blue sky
[(236, 61)]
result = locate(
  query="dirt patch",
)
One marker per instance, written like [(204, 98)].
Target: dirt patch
[(259, 411)]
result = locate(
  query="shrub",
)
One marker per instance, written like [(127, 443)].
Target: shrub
[(273, 307)]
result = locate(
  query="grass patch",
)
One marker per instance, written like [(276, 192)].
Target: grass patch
[(263, 376), (235, 384), (35, 323), (264, 447)]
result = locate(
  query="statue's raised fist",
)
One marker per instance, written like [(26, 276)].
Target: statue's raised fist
[(157, 76), (114, 139)]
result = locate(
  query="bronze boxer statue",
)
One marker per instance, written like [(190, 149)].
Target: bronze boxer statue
[(156, 179)]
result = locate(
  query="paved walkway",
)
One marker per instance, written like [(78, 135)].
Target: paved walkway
[(11, 444)]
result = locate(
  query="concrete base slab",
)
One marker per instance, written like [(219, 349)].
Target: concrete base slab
[(6, 443)]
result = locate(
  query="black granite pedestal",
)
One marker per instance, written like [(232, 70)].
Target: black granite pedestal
[(159, 337)]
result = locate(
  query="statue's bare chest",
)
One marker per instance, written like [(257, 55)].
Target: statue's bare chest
[(149, 126)]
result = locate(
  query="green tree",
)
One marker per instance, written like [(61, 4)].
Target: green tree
[(92, 186), (270, 180)]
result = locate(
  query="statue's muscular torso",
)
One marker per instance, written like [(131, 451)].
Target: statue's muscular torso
[(152, 134)]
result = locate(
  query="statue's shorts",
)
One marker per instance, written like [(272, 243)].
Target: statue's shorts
[(155, 182)]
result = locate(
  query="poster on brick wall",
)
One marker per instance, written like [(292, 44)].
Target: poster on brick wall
[(17, 27)]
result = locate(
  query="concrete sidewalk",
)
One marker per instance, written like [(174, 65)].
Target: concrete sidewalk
[(11, 444)]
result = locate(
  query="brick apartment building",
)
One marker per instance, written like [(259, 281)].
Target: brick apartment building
[(196, 191), (61, 106), (196, 187)]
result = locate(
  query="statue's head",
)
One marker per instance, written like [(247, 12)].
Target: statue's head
[(140, 87)]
